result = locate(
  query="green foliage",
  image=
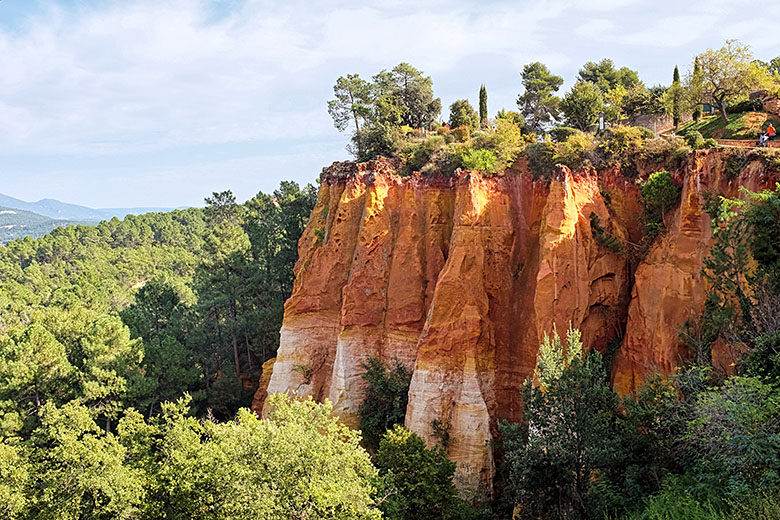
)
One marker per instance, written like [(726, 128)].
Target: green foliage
[(582, 105), (553, 358), (483, 107), (352, 103), (606, 77), (538, 103), (561, 459), (659, 194), (404, 96), (576, 151), (386, 396), (710, 143), (463, 114), (479, 160), (506, 143), (730, 73), (560, 133), (620, 145), (462, 133), (374, 140), (541, 158), (418, 479), (603, 237), (694, 140), (734, 434)]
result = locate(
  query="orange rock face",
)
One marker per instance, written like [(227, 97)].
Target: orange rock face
[(459, 278)]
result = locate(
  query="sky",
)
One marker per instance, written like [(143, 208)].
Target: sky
[(134, 103)]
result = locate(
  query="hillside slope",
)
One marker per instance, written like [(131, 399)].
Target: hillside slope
[(15, 223)]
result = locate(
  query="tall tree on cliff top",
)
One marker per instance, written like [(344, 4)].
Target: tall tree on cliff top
[(730, 73), (582, 105), (404, 96), (675, 93), (483, 108), (606, 77), (695, 90), (538, 104), (352, 103)]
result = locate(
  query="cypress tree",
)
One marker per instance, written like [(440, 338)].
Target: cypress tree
[(696, 86), (483, 110), (677, 96)]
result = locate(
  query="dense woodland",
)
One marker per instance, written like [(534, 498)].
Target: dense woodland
[(130, 350)]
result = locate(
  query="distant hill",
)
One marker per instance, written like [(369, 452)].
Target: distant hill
[(16, 223), (63, 211)]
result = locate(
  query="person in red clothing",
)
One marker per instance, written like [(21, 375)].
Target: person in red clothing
[(771, 132)]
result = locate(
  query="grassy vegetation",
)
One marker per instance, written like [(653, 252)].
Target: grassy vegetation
[(745, 125)]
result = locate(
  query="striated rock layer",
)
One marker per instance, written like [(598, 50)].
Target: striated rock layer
[(459, 278)]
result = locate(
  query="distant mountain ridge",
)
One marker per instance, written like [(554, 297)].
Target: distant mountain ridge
[(56, 209), (18, 223)]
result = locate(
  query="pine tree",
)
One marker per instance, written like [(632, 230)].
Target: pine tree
[(483, 108)]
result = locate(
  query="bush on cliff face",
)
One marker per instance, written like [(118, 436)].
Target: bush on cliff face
[(659, 194), (386, 396)]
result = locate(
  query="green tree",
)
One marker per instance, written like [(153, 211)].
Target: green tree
[(553, 357), (386, 396), (79, 471), (463, 114), (734, 437), (606, 77), (537, 103), (404, 96), (14, 476), (34, 368), (562, 460), (419, 479), (300, 462), (676, 97), (730, 73), (695, 90), (352, 102), (659, 194), (582, 105), (483, 108)]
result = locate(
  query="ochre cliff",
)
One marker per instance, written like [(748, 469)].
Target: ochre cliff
[(458, 278)]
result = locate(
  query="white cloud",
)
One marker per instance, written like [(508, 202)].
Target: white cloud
[(112, 78)]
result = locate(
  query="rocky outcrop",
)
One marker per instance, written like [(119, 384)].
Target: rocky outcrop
[(459, 277)]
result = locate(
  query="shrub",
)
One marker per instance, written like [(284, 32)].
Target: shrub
[(506, 143), (419, 479), (541, 158), (443, 130), (462, 133), (710, 143), (619, 145), (602, 236), (480, 160), (575, 151), (419, 154), (560, 133), (385, 399), (694, 140), (646, 132), (375, 140), (666, 151)]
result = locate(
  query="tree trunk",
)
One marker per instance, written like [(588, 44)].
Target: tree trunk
[(722, 107)]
